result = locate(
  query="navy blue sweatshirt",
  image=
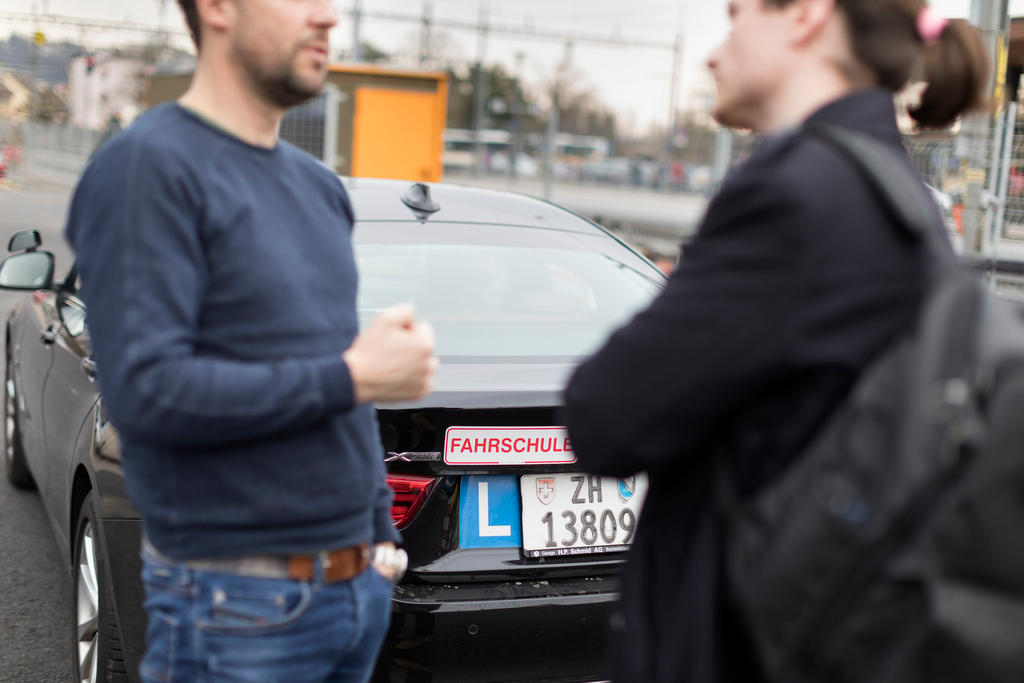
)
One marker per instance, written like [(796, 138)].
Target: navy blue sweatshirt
[(220, 285)]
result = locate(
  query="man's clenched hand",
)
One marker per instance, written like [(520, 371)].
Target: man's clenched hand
[(393, 359)]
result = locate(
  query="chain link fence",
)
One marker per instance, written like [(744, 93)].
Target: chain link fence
[(980, 176), (1013, 197), (57, 152), (33, 151), (977, 178), (304, 126)]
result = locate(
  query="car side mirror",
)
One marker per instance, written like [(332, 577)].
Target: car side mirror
[(30, 270), (26, 240)]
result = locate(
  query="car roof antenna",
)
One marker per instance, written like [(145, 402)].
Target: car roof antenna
[(418, 198)]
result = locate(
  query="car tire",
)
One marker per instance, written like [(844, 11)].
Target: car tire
[(14, 453), (96, 654)]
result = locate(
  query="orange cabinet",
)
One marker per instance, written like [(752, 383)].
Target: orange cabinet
[(385, 123), (397, 134)]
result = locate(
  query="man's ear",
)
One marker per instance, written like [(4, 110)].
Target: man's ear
[(809, 19), (216, 15)]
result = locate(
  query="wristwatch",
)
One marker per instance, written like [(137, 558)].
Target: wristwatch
[(393, 558)]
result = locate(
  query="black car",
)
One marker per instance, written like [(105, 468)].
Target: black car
[(513, 555)]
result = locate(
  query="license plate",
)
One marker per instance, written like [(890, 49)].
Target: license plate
[(578, 514)]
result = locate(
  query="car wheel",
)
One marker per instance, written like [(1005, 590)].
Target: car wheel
[(14, 455), (97, 651)]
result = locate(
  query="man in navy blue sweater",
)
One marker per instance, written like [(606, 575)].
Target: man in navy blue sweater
[(217, 265)]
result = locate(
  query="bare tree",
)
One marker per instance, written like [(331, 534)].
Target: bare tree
[(579, 106)]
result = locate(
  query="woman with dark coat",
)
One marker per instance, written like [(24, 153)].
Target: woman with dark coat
[(795, 280)]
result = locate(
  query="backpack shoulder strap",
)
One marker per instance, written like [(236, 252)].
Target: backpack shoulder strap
[(894, 183)]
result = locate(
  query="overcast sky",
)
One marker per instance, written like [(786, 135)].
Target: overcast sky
[(635, 82)]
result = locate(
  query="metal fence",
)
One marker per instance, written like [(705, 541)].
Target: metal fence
[(1011, 191), (304, 126), (58, 152), (40, 151), (313, 126), (938, 161), (992, 161)]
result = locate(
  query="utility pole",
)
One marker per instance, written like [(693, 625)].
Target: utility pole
[(555, 121), (673, 98), (34, 63), (519, 112), (425, 37), (162, 39), (549, 150), (480, 91), (357, 15), (990, 16)]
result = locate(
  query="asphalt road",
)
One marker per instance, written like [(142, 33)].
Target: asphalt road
[(35, 587)]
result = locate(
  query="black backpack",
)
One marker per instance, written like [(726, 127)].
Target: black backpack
[(892, 550)]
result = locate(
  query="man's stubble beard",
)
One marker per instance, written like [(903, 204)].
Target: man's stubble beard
[(287, 91), (279, 86)]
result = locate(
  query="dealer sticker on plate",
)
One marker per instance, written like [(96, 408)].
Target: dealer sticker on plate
[(507, 446)]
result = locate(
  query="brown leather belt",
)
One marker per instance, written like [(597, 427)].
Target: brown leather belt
[(336, 565)]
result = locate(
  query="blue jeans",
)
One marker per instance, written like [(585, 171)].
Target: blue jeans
[(208, 627)]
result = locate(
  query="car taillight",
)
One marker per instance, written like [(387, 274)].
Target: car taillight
[(410, 493)]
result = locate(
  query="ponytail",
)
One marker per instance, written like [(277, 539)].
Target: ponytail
[(890, 49), (894, 45), (956, 70)]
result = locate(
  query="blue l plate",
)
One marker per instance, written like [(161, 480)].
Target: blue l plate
[(490, 512)]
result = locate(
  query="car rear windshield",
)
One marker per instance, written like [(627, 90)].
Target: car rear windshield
[(538, 293)]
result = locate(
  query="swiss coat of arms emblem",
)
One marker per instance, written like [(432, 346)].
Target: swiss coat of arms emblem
[(546, 490)]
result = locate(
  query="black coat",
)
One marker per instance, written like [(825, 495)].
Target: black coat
[(795, 280)]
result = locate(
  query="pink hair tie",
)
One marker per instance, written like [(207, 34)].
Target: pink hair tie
[(930, 24)]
